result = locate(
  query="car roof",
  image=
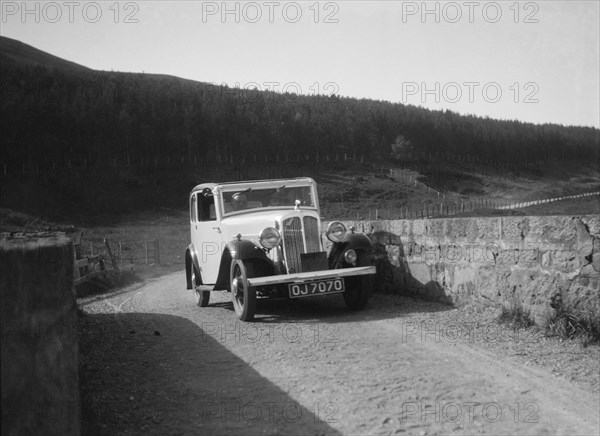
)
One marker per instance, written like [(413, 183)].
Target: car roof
[(242, 182)]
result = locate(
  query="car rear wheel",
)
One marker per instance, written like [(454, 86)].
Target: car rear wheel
[(359, 288), (203, 296), (242, 295)]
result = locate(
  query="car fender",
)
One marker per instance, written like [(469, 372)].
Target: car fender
[(355, 241), (191, 259), (241, 250)]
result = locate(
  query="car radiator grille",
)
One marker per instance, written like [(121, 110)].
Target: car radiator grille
[(293, 242), (311, 229)]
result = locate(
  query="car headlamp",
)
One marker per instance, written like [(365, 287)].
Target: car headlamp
[(335, 231), (269, 237), (350, 257)]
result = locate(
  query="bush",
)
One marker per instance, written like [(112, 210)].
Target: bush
[(566, 324), (515, 315)]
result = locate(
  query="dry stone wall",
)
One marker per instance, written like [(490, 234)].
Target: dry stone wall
[(524, 260), (40, 388)]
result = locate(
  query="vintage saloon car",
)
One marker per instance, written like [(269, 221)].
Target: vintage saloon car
[(262, 239)]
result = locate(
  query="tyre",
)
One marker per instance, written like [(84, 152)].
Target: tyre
[(359, 288), (242, 295), (203, 296)]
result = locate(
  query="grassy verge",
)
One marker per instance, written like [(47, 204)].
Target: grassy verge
[(562, 322), (169, 227), (566, 323), (514, 315)]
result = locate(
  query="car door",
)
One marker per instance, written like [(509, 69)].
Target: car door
[(206, 235)]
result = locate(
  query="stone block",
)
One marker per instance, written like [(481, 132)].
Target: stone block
[(435, 227), (593, 223), (585, 243), (564, 260), (552, 229), (488, 228), (515, 228), (582, 296)]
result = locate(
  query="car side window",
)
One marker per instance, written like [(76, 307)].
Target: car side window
[(193, 208), (206, 207)]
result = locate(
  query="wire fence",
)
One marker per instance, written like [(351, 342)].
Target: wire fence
[(298, 163), (443, 208), (413, 175), (123, 253)]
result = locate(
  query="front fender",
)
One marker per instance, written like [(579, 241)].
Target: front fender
[(191, 260), (246, 251), (355, 241)]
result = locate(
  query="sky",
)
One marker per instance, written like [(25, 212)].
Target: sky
[(534, 61)]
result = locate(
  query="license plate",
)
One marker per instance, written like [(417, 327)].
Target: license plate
[(307, 289)]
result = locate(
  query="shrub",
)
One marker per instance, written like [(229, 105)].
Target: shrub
[(568, 324), (515, 315)]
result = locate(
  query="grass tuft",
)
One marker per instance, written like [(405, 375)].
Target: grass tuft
[(568, 324), (515, 315)]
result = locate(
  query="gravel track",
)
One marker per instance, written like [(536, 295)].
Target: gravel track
[(153, 362)]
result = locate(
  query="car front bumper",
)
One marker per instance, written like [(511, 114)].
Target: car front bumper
[(310, 276)]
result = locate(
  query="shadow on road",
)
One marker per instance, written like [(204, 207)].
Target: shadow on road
[(331, 309), (161, 374)]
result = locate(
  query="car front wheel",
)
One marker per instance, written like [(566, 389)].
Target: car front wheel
[(242, 295), (359, 288)]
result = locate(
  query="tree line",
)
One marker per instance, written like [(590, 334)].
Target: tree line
[(54, 113)]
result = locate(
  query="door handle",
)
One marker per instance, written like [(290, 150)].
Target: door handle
[(217, 229)]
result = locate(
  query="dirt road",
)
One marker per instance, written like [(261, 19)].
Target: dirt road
[(153, 362)]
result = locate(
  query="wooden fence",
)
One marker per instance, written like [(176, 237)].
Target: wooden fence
[(92, 170), (122, 253), (448, 207), (92, 256)]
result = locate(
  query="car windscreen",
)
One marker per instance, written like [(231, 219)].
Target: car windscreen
[(265, 198)]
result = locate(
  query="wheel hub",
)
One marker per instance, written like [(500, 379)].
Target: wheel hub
[(234, 287)]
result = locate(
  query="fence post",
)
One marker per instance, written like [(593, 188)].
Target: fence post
[(156, 252), (121, 252), (146, 249), (112, 258)]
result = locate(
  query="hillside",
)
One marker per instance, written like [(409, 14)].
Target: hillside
[(78, 143), (14, 53)]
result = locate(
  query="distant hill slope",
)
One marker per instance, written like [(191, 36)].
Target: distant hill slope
[(15, 53), (78, 142), (59, 110)]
